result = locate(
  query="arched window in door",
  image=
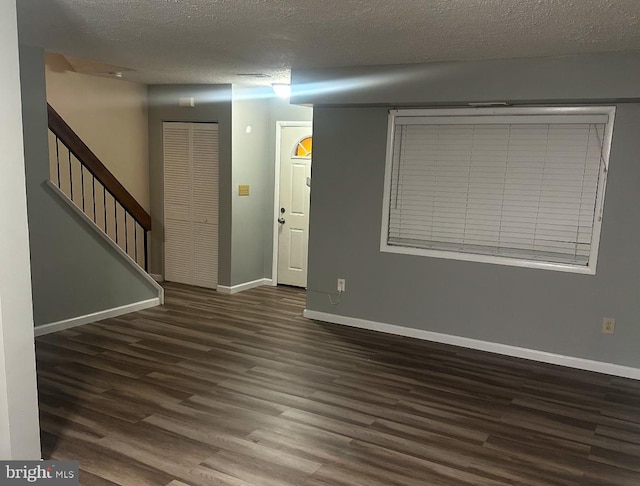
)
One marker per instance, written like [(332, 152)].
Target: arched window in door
[(303, 148)]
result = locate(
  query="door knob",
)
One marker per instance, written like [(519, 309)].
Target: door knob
[(281, 220)]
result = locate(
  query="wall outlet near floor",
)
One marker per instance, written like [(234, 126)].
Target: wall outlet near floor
[(341, 284), (608, 325)]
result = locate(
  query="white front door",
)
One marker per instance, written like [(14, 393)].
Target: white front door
[(293, 214)]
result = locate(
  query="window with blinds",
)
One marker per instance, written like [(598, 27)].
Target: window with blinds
[(515, 186)]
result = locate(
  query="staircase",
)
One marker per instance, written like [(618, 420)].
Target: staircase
[(80, 176)]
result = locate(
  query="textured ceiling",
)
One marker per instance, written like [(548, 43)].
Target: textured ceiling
[(211, 41)]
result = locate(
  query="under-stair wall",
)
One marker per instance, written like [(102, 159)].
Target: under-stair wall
[(77, 275)]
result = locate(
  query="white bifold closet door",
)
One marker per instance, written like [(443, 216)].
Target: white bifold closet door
[(191, 203)]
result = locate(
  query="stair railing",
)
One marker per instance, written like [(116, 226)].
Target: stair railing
[(84, 179)]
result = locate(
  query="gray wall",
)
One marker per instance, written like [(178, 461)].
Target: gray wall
[(249, 161), (212, 104), (571, 78), (73, 270), (538, 309)]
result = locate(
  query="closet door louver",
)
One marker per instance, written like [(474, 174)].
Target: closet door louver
[(205, 204), (178, 249), (191, 203)]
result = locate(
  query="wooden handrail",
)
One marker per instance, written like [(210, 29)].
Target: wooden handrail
[(88, 159)]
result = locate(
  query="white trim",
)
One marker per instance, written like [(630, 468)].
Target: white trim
[(481, 119), (157, 277), (495, 260), (504, 349), (234, 289), (106, 238), (276, 193), (530, 110), (95, 316), (465, 115)]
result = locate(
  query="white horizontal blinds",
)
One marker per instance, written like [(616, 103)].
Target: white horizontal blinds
[(524, 189)]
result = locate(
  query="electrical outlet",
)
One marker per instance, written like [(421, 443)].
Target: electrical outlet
[(341, 284), (608, 325)]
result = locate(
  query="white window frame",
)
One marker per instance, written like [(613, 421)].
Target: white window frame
[(589, 269)]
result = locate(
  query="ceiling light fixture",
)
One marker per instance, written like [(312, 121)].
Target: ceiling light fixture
[(282, 90)]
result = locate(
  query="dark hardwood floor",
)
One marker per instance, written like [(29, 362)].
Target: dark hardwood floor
[(214, 389)]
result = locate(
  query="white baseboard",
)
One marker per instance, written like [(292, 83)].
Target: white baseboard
[(234, 289), (505, 349), (96, 316)]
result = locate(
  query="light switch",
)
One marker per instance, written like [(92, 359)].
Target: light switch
[(243, 190)]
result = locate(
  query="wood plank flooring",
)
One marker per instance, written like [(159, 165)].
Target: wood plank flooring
[(239, 390)]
